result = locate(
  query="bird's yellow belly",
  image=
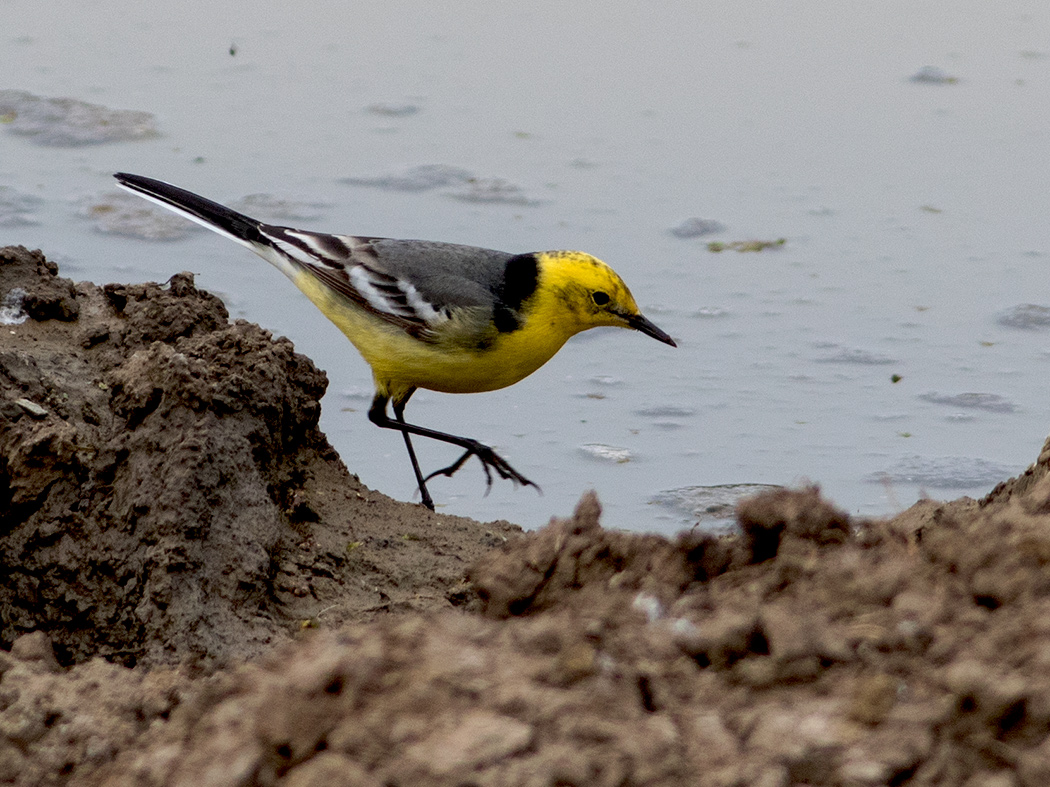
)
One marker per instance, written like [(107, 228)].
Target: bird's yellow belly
[(455, 370), (400, 362)]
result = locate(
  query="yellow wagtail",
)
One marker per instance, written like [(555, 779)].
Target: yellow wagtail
[(458, 319)]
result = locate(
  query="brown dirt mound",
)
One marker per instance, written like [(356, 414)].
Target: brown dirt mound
[(846, 657), (807, 649), (163, 480)]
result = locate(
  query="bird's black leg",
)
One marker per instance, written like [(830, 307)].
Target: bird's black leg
[(489, 459), (399, 414), (377, 415)]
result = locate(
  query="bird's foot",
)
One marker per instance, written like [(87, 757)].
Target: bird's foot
[(490, 461)]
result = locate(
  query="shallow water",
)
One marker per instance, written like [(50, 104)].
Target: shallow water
[(914, 214)]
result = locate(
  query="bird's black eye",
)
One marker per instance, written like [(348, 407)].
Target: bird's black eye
[(600, 298)]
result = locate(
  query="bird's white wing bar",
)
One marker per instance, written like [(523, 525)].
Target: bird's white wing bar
[(309, 248), (291, 250), (390, 295), (364, 281), (319, 247), (425, 310)]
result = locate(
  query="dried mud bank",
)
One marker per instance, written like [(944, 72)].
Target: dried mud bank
[(172, 516), (166, 491)]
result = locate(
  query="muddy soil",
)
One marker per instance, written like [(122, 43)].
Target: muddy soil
[(197, 592)]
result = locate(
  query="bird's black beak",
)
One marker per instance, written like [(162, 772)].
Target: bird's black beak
[(640, 323)]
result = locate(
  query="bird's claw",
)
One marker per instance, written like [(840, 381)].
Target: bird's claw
[(490, 461)]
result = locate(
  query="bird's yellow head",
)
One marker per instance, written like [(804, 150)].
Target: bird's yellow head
[(588, 294)]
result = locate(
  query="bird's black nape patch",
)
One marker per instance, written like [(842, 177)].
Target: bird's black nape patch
[(520, 278)]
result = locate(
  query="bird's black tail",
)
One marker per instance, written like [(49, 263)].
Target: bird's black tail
[(216, 217)]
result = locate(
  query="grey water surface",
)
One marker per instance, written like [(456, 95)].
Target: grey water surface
[(894, 344)]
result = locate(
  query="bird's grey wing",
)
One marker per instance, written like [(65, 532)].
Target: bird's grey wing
[(444, 274), (431, 290), (454, 289), (482, 291)]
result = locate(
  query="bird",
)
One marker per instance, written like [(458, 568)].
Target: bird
[(427, 314)]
